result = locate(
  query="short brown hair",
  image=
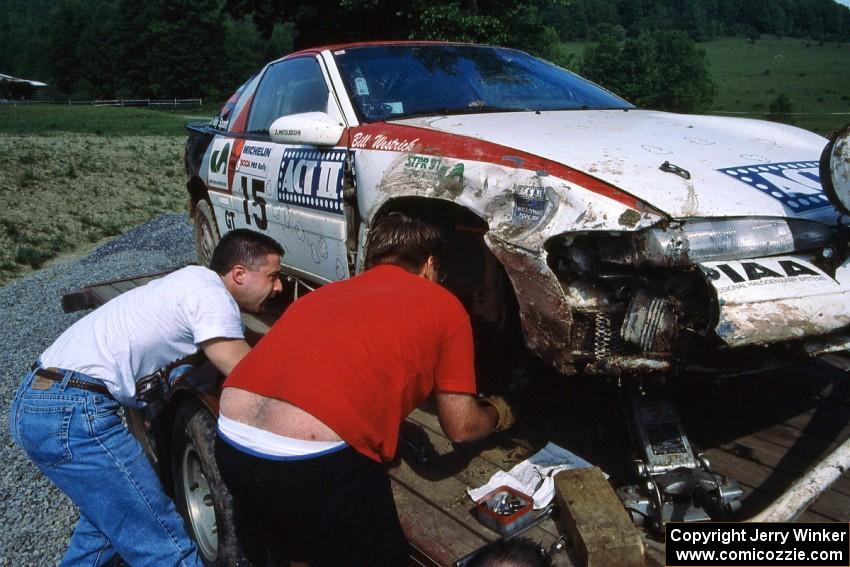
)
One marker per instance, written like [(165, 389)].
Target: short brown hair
[(404, 241), (243, 246)]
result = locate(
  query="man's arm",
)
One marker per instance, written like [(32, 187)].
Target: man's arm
[(463, 418), (225, 353)]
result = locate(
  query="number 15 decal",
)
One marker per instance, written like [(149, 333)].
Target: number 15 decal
[(257, 186)]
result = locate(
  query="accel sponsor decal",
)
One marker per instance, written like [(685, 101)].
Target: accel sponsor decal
[(219, 158), (795, 184), (382, 142), (312, 179), (735, 275)]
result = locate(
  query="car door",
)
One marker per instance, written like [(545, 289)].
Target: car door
[(292, 192)]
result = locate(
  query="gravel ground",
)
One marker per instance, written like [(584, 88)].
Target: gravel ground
[(36, 518)]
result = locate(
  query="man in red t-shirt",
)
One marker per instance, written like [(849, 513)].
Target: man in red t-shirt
[(312, 413)]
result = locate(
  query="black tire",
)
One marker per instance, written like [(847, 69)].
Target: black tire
[(205, 232), (201, 497)]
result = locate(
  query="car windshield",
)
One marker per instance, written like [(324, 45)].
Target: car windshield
[(399, 81)]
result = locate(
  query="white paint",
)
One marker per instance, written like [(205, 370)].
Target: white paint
[(311, 128), (626, 149), (758, 307)]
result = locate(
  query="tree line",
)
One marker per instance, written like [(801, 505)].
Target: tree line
[(643, 49), (820, 20)]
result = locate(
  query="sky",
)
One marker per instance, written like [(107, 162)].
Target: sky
[(845, 2)]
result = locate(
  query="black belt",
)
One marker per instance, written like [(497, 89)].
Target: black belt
[(55, 375)]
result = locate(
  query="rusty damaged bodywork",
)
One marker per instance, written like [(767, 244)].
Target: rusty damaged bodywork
[(605, 238)]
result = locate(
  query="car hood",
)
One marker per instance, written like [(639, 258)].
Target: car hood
[(715, 166)]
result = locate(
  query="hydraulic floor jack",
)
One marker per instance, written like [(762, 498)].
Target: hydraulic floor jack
[(674, 484)]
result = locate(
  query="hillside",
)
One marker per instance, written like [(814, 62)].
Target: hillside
[(751, 75)]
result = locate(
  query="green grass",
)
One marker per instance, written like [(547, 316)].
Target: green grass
[(64, 191), (98, 120), (814, 77), (74, 175), (749, 76)]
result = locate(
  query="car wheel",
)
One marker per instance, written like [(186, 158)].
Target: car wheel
[(201, 497), (206, 232)]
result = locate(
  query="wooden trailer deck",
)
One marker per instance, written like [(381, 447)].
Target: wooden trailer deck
[(763, 430)]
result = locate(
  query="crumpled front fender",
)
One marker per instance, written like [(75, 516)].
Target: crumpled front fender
[(546, 316)]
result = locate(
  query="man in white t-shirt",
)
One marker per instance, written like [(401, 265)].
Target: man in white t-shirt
[(65, 413)]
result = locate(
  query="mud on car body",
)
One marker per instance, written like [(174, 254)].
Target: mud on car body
[(621, 240)]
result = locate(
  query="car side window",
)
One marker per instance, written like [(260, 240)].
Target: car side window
[(289, 87), (240, 108)]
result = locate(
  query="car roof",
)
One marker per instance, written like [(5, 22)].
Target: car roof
[(338, 46)]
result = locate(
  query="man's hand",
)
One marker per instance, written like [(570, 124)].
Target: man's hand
[(464, 418), (505, 411), (225, 353)]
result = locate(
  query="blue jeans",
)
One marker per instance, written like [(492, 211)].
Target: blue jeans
[(77, 439)]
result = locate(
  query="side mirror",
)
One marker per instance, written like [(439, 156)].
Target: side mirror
[(835, 169), (313, 128)]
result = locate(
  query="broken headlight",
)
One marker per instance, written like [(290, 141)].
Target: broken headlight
[(697, 241)]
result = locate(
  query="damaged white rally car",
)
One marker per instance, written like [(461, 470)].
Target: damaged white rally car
[(604, 238)]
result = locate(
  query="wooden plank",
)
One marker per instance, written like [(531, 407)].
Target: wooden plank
[(833, 504), (809, 516), (104, 293), (125, 285), (146, 279), (770, 483), (504, 451), (818, 416), (735, 418), (600, 530), (436, 534), (787, 437), (443, 482), (755, 499), (752, 442), (787, 448), (472, 463), (761, 437), (838, 360), (794, 462), (77, 301), (99, 293)]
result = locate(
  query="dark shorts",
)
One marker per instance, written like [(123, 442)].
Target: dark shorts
[(331, 510)]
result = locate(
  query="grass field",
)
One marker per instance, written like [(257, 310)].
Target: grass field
[(814, 77), (96, 120), (71, 176), (749, 76)]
